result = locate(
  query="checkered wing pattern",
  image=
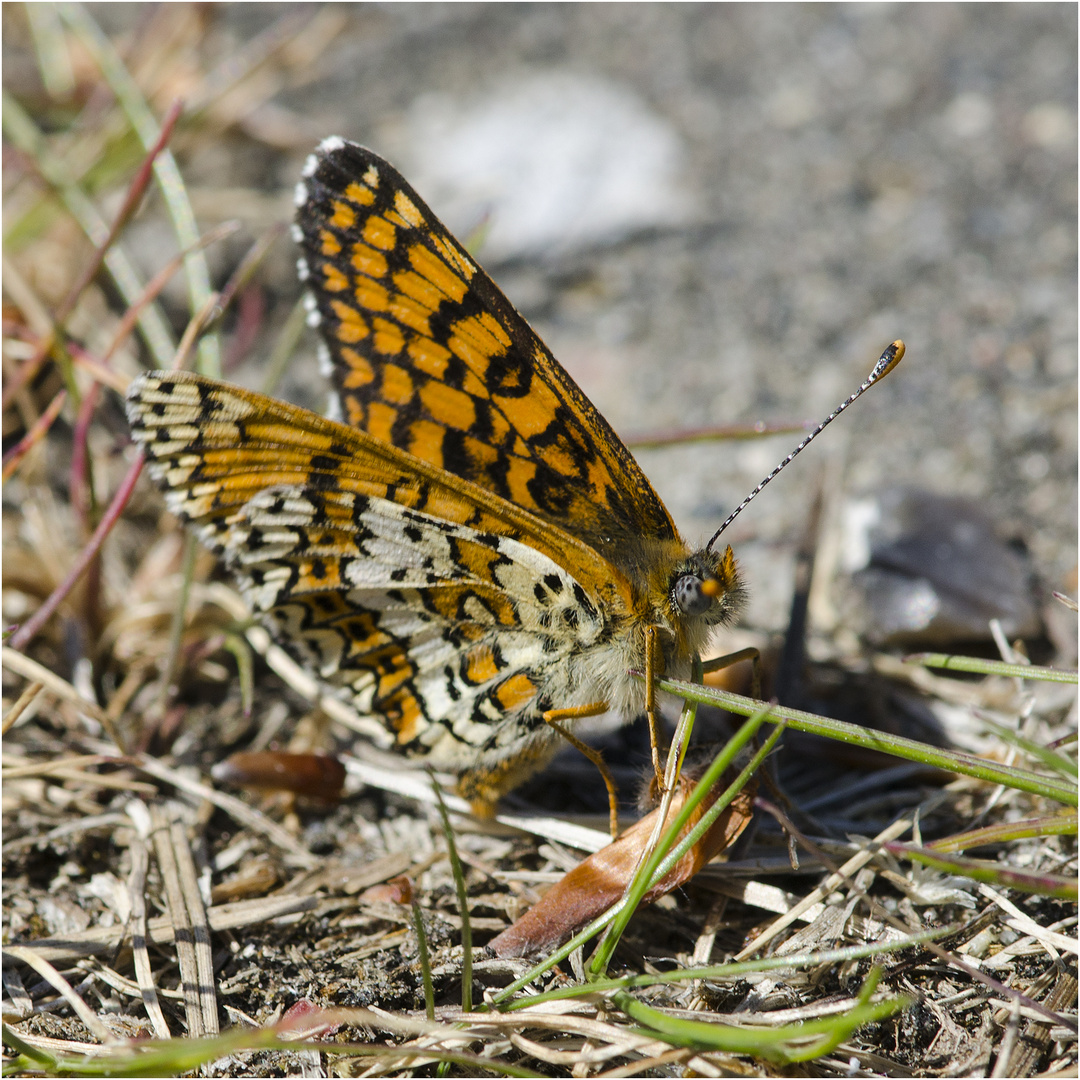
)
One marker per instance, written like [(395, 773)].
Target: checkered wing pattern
[(431, 602), (426, 353)]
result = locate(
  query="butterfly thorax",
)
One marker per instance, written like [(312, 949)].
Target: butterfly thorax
[(683, 594)]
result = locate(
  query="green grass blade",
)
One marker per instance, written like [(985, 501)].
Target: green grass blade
[(34, 1054), (991, 873), (425, 961), (733, 970), (463, 902), (1062, 823), (53, 57), (171, 183), (781, 1045), (1058, 762), (284, 347), (978, 666), (956, 761), (179, 1056), (648, 874)]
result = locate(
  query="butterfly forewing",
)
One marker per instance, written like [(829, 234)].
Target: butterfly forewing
[(425, 352)]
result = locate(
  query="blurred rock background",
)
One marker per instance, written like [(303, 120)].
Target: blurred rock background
[(713, 214)]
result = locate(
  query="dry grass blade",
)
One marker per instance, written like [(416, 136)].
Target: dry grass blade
[(188, 916), (20, 706), (18, 1002), (140, 863), (845, 872), (34, 959), (102, 941), (1026, 925), (50, 681), (1034, 1040), (34, 436)]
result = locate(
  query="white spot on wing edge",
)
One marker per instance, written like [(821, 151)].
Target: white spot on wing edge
[(332, 143), (302, 269), (326, 364), (137, 385), (300, 194), (297, 233), (311, 163)]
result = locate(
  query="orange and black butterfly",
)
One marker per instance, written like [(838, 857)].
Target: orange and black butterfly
[(469, 547)]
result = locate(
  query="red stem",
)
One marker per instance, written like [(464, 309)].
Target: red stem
[(36, 433)]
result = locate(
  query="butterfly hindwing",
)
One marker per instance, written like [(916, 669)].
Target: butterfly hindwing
[(434, 626), (214, 446), (428, 600), (427, 353)]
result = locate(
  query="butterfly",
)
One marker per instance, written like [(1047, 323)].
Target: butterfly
[(467, 551)]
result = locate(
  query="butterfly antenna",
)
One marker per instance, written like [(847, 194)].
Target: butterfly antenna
[(888, 360)]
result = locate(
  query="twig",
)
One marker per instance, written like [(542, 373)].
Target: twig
[(14, 456)]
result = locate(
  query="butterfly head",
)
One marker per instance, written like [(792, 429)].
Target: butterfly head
[(706, 587)]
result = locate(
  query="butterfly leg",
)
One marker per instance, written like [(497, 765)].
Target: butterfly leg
[(554, 716), (751, 654), (654, 668)]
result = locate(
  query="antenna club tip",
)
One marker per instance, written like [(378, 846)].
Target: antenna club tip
[(891, 357), (886, 362)]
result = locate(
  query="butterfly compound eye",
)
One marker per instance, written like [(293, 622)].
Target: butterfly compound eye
[(692, 595)]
